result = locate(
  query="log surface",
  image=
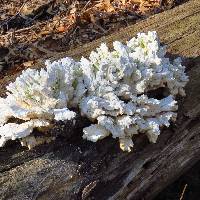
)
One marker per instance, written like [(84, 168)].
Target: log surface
[(71, 168)]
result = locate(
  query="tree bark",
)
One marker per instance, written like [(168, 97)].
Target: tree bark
[(71, 168)]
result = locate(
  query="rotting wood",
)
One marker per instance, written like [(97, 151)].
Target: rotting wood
[(77, 169)]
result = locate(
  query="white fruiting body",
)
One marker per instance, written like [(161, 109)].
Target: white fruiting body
[(111, 87), (117, 82), (38, 95)]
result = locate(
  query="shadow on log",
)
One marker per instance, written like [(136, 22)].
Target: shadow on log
[(71, 168)]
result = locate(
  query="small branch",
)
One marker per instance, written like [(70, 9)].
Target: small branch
[(13, 16), (183, 192)]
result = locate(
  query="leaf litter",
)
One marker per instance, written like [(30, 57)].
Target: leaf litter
[(39, 28)]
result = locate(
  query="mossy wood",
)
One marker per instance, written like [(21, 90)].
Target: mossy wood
[(71, 168)]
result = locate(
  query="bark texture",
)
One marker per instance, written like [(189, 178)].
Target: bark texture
[(71, 168)]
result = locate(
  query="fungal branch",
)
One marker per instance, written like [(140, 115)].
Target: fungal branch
[(110, 87)]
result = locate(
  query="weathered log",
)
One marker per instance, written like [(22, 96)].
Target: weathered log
[(71, 168)]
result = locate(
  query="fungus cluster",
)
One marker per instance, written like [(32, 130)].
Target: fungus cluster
[(112, 88)]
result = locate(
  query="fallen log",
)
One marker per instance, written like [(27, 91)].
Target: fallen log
[(70, 168)]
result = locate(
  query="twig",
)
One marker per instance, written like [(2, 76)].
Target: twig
[(100, 27), (183, 192), (84, 8), (13, 16)]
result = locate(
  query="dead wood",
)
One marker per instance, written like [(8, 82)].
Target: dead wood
[(71, 168)]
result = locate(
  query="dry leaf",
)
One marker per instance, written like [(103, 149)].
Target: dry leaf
[(28, 64), (63, 24), (61, 29)]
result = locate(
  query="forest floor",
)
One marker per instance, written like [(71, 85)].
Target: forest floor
[(34, 29), (40, 28)]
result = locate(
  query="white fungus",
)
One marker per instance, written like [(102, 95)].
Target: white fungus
[(38, 95), (117, 84), (110, 88)]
